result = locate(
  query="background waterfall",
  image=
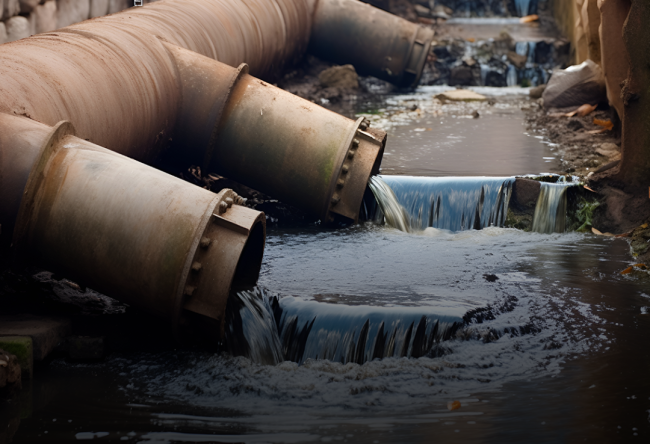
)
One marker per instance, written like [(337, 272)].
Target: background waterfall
[(550, 210)]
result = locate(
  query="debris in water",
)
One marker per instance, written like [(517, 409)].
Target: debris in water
[(606, 124), (491, 277), (529, 18), (453, 405), (630, 269), (476, 114)]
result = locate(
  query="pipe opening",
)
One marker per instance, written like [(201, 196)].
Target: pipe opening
[(250, 260)]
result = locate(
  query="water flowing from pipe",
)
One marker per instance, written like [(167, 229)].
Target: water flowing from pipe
[(550, 210), (451, 203), (394, 213)]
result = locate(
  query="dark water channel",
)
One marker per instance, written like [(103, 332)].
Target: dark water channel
[(538, 336)]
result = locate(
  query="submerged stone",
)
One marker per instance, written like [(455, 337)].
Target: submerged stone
[(461, 95)]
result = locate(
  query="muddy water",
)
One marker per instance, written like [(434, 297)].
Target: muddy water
[(550, 347), (454, 143)]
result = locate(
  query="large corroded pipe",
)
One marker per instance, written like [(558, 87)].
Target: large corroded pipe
[(126, 87), (376, 42), (121, 227), (271, 140)]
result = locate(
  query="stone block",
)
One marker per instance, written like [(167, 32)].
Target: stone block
[(27, 6), (3, 33), (99, 8), (10, 9), (72, 11), (461, 95), (339, 77), (17, 28), (46, 333), (119, 5), (22, 348), (45, 17)]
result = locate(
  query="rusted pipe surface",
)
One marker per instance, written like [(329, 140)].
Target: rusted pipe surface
[(376, 42), (128, 230), (295, 150)]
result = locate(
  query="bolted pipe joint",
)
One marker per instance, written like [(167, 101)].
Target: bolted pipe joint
[(376, 42), (261, 136), (125, 229)]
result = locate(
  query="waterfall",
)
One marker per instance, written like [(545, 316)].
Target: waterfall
[(523, 7), (270, 329), (451, 203), (340, 333), (550, 210), (532, 46), (391, 209), (250, 327), (521, 48), (511, 78)]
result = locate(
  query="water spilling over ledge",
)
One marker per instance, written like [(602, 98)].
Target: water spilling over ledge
[(551, 208), (450, 203), (269, 329)]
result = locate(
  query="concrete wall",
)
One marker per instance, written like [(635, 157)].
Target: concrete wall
[(22, 18)]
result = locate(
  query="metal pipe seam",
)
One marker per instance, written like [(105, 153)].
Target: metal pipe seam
[(128, 230)]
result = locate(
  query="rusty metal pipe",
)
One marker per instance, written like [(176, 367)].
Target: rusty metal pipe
[(121, 227), (376, 42), (125, 86), (271, 140)]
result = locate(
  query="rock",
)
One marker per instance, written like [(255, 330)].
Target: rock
[(465, 75), (3, 33), (339, 77), (575, 125), (476, 115), (524, 194), (17, 28), (422, 11), (441, 52), (21, 348), (119, 5), (10, 9), (441, 9), (575, 86), (27, 6), (537, 91), (517, 59), (72, 11), (543, 52), (45, 17), (460, 95), (607, 149), (10, 372), (504, 43), (614, 60), (99, 8)]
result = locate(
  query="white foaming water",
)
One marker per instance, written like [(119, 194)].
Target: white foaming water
[(550, 210)]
